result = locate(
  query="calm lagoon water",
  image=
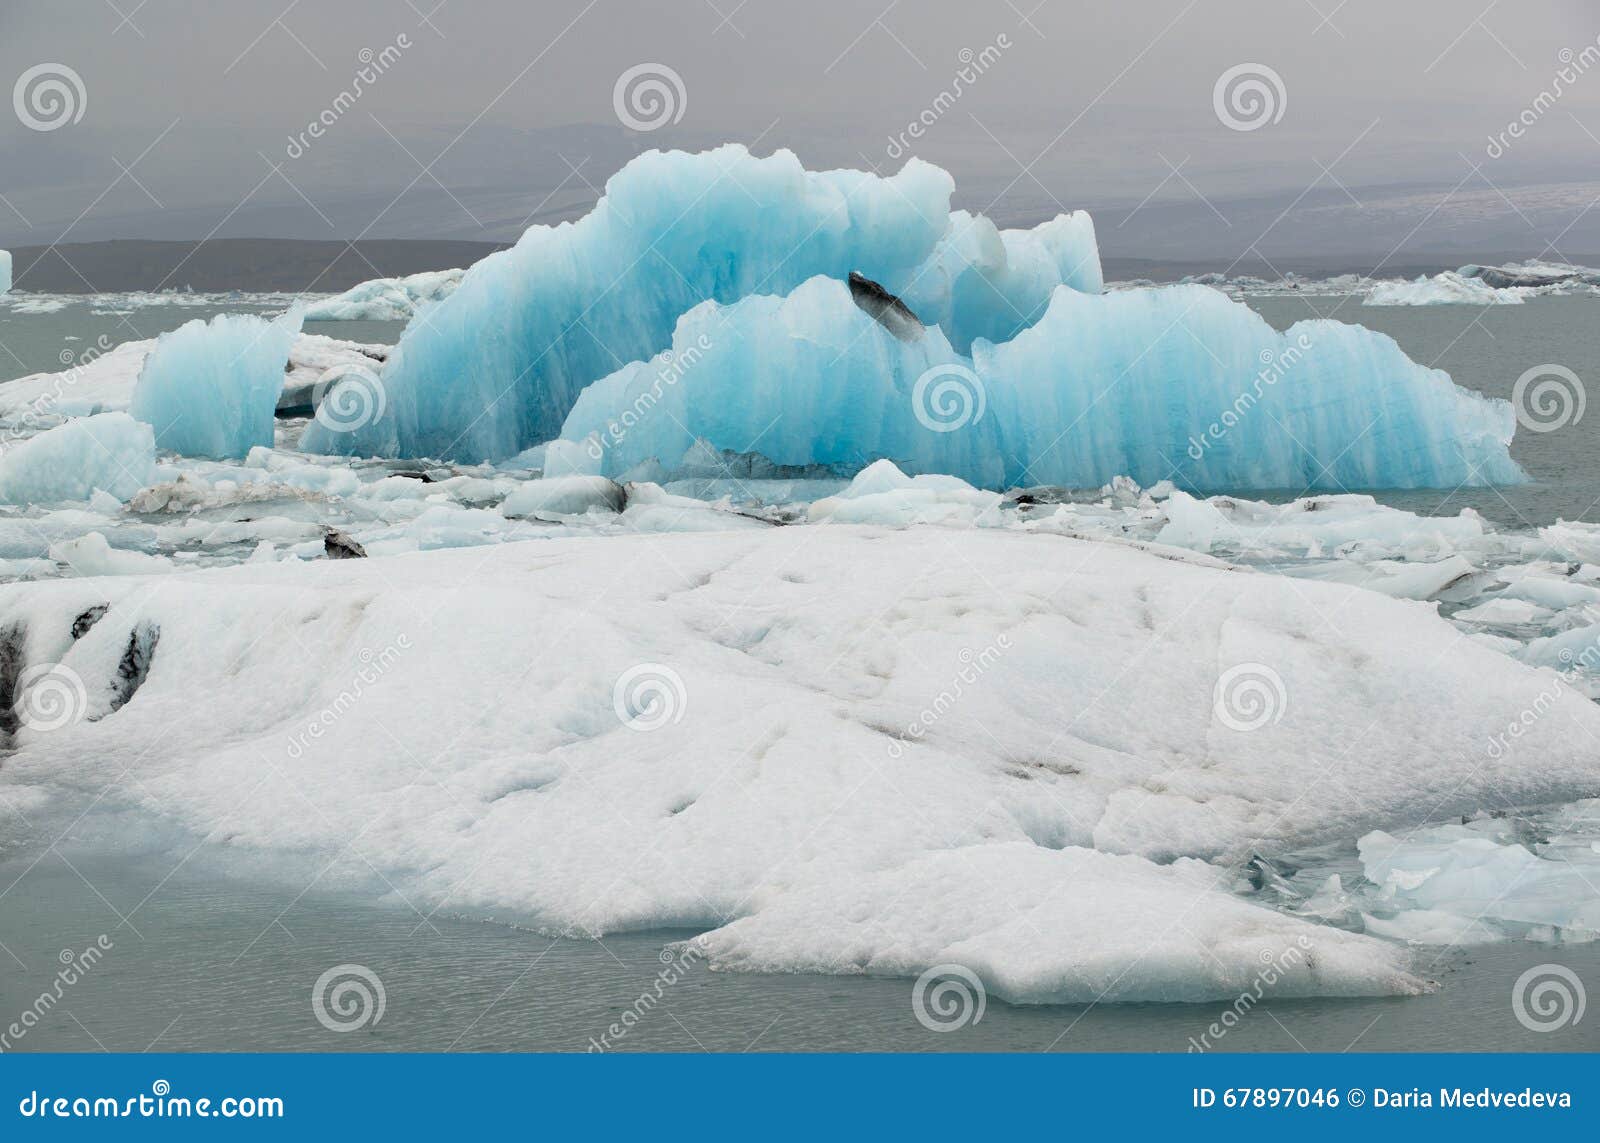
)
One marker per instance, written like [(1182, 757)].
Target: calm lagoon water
[(199, 961)]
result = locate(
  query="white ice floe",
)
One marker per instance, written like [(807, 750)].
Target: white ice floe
[(809, 740), (1446, 289), (386, 299)]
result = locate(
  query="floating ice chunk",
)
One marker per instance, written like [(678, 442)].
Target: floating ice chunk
[(1069, 926), (882, 494), (810, 379), (568, 302), (1504, 612), (559, 496), (5, 271), (1481, 872), (1446, 289), (387, 299), (111, 453), (93, 555), (211, 389)]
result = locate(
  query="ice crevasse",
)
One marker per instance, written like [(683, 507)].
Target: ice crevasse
[(495, 367)]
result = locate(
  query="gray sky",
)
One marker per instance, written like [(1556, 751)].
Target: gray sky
[(498, 112)]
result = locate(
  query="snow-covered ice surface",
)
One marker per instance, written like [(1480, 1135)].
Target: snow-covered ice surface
[(725, 729)]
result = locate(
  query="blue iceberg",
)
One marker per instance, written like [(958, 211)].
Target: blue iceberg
[(211, 389), (1176, 383), (496, 367)]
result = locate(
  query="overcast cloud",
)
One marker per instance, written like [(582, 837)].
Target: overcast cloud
[(492, 113)]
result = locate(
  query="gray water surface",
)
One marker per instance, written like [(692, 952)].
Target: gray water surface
[(198, 962)]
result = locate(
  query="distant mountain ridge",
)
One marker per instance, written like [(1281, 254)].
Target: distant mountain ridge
[(250, 264)]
